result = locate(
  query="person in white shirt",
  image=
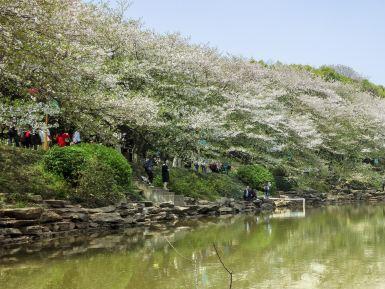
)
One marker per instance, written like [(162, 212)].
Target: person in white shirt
[(76, 137)]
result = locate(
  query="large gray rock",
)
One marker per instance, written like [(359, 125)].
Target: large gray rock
[(79, 217), (57, 203), (34, 230), (10, 232), (189, 201), (166, 205), (65, 226), (238, 207), (181, 210), (129, 221), (139, 217), (128, 212), (225, 210), (206, 209), (106, 218), (108, 209), (82, 225), (158, 217), (22, 213), (152, 210), (50, 216), (203, 202), (257, 202), (72, 209), (267, 207), (13, 223), (171, 217), (225, 201)]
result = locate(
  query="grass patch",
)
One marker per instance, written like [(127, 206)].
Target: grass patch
[(205, 186)]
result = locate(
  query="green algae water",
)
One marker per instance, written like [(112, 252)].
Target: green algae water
[(335, 247)]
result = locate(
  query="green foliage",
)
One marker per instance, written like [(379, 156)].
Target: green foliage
[(69, 162), (329, 74), (282, 180), (99, 175), (66, 162), (206, 186), (371, 87), (255, 176), (21, 174), (312, 182), (97, 185), (358, 175)]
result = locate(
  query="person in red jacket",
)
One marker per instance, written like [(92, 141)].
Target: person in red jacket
[(27, 138), (60, 139), (67, 138)]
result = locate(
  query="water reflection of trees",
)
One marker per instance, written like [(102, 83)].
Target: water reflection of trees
[(331, 248)]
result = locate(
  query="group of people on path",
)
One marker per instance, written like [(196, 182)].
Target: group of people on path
[(33, 138), (29, 138), (249, 194)]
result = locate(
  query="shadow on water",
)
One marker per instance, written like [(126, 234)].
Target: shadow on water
[(334, 247)]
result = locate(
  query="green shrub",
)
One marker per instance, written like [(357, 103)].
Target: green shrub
[(284, 183), (98, 175), (66, 162), (97, 185), (69, 162), (282, 180), (279, 171), (255, 176)]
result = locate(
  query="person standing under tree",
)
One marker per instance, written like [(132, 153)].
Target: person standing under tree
[(165, 174)]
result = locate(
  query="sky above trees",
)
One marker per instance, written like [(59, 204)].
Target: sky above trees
[(348, 32)]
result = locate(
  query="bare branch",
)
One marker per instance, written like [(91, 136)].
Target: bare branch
[(224, 266)]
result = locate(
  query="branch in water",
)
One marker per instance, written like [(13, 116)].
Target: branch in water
[(224, 266)]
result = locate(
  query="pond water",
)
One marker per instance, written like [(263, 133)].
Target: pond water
[(334, 247)]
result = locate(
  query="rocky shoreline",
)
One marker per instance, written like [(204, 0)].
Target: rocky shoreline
[(57, 218), (339, 196)]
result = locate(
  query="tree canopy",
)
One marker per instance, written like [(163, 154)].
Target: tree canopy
[(88, 67)]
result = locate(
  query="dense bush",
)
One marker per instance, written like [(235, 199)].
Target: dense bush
[(198, 185), (66, 162), (97, 185), (282, 180), (99, 175), (255, 176)]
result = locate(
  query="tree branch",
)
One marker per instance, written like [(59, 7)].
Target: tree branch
[(224, 266)]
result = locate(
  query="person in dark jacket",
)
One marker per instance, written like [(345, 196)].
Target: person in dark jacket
[(148, 167), (249, 194), (10, 136), (165, 174)]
